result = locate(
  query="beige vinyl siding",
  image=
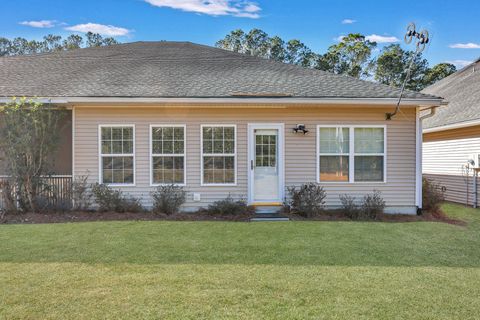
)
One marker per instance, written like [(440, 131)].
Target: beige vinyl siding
[(300, 150), (444, 154)]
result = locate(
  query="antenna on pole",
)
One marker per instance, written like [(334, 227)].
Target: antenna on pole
[(422, 38)]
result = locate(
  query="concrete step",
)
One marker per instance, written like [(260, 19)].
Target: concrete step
[(263, 219)]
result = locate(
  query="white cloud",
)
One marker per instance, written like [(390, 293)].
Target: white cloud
[(372, 37), (469, 45), (460, 63), (381, 39), (39, 24), (106, 30), (236, 8), (348, 21)]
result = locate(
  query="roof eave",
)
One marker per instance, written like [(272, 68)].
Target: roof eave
[(458, 125), (423, 102)]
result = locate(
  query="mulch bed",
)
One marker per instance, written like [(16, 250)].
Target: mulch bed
[(33, 218)]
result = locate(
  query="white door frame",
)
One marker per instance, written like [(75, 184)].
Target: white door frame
[(251, 158)]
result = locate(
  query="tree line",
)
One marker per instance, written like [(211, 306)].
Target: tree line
[(52, 43), (352, 55)]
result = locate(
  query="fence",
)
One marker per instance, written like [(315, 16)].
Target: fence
[(457, 188), (57, 192)]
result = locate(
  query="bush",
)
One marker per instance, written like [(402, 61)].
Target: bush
[(168, 199), (308, 200), (229, 207), (372, 205), (349, 207), (432, 195), (111, 200), (81, 195)]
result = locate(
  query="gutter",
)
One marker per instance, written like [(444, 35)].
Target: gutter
[(234, 100), (433, 111)]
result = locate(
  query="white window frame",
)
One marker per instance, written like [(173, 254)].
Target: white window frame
[(101, 155), (184, 154), (352, 154), (202, 155)]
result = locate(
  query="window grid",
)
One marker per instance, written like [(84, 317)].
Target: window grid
[(341, 170), (265, 150), (117, 156), (352, 154), (218, 151), (167, 147)]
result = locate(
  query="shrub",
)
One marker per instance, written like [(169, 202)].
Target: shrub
[(433, 195), (168, 199), (81, 195), (108, 199), (308, 200), (349, 206), (372, 205), (229, 207)]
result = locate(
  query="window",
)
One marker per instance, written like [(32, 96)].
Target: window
[(117, 158), (334, 152), (168, 154), (218, 154), (351, 154), (369, 154)]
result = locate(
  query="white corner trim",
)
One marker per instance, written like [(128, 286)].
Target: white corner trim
[(418, 160), (73, 142)]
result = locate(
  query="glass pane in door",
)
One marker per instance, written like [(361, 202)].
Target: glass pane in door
[(266, 175)]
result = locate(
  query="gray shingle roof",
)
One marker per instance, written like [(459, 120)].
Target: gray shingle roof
[(462, 91), (173, 69)]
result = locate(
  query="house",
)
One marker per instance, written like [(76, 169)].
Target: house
[(452, 137), (222, 123)]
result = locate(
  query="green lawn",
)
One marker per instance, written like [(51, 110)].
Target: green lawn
[(287, 270)]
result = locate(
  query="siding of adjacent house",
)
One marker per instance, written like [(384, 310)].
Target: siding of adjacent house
[(444, 155), (300, 150)]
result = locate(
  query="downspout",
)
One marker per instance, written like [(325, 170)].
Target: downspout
[(419, 142)]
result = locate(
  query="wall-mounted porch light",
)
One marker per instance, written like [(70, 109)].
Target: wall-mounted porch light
[(300, 128)]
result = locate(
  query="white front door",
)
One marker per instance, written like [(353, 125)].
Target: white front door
[(265, 149)]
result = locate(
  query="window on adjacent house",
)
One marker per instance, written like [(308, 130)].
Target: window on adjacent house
[(168, 154), (218, 154), (369, 154), (334, 153), (117, 154)]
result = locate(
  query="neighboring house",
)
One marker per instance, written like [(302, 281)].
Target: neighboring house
[(222, 123), (452, 137)]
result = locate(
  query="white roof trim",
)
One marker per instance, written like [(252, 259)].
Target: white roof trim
[(236, 100), (459, 125)]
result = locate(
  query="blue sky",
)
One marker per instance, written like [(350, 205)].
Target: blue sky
[(454, 25)]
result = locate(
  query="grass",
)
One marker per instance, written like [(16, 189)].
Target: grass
[(222, 270)]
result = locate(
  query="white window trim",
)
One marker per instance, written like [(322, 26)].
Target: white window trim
[(100, 155), (352, 154), (184, 154), (202, 183)]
